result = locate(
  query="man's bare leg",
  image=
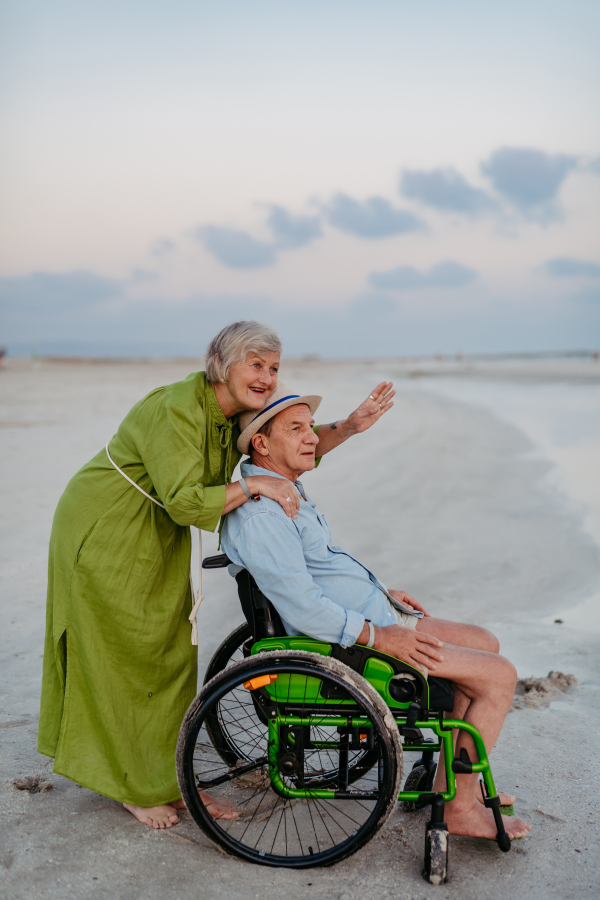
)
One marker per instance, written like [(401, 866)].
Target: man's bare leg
[(461, 704), (477, 638), (488, 681)]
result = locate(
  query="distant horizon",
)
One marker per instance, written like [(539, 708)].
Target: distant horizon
[(458, 356)]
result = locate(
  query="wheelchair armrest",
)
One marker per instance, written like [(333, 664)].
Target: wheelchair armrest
[(216, 562)]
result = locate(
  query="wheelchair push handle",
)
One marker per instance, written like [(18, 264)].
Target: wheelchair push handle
[(216, 562)]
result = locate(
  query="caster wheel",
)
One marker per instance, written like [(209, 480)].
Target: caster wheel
[(420, 778), (436, 856)]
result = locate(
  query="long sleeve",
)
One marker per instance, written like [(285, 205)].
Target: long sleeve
[(175, 462), (168, 432), (270, 546)]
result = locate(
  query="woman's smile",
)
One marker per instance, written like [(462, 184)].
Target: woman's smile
[(249, 383)]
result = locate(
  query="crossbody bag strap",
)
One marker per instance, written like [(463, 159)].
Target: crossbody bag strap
[(199, 597)]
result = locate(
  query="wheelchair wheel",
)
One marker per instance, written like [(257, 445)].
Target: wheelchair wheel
[(222, 723), (288, 815), (229, 651)]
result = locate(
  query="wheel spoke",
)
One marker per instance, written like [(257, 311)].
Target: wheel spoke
[(232, 732)]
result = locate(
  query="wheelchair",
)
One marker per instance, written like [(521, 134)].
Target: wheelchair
[(306, 739)]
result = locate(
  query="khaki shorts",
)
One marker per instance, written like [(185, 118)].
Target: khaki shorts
[(405, 618), (409, 622)]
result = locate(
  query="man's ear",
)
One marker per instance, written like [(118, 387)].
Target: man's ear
[(259, 444)]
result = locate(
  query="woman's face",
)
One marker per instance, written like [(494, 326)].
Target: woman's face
[(250, 382)]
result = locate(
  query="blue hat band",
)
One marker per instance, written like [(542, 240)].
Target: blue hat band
[(271, 405)]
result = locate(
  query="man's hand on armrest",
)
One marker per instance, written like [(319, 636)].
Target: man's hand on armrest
[(412, 647)]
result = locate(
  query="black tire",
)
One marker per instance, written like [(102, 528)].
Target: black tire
[(242, 747), (228, 652), (420, 778), (270, 829)]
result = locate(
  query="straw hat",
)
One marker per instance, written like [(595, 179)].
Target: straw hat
[(279, 399)]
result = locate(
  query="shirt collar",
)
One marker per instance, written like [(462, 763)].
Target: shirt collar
[(247, 469)]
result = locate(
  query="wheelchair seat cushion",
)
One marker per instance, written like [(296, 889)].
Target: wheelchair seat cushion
[(441, 695)]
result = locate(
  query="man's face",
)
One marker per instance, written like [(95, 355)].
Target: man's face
[(291, 444)]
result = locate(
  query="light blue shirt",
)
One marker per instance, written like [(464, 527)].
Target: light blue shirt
[(318, 589)]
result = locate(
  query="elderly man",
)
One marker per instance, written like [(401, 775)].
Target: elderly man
[(320, 590)]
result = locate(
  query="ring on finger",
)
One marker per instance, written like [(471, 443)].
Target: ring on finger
[(371, 397)]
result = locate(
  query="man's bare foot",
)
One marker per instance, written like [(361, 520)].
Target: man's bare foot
[(505, 799), (154, 816), (218, 809), (477, 821)]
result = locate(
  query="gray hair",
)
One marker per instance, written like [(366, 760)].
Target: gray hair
[(233, 344)]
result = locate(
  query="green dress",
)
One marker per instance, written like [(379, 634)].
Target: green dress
[(119, 667)]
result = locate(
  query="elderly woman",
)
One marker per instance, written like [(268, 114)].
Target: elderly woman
[(119, 666)]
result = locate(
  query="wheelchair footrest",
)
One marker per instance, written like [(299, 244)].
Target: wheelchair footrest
[(493, 803)]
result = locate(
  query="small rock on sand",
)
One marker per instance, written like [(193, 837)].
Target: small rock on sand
[(35, 784), (536, 692)]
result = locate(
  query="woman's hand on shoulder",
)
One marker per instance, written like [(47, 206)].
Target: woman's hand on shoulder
[(278, 489)]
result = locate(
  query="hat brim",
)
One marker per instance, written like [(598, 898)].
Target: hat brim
[(311, 400)]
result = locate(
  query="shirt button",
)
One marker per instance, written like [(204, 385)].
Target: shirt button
[(389, 615), (150, 694)]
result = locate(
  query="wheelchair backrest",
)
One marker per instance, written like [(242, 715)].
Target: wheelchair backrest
[(260, 614)]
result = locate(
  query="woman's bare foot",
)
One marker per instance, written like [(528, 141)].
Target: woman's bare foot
[(154, 816), (218, 809), (477, 821)]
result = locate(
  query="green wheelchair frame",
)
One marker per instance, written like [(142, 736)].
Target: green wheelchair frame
[(379, 674), (306, 697)]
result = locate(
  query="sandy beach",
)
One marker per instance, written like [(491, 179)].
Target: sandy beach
[(479, 493)]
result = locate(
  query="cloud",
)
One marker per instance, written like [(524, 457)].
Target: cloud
[(594, 166), (373, 218), (292, 231), (445, 190), (567, 267), (236, 249), (443, 275), (162, 247), (141, 275), (588, 295), (530, 179), (158, 326), (49, 292), (373, 305)]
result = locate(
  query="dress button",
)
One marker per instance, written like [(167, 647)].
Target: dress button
[(150, 694)]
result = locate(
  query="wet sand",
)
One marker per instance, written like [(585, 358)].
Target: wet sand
[(447, 498)]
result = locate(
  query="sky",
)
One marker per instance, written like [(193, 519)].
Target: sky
[(372, 179)]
